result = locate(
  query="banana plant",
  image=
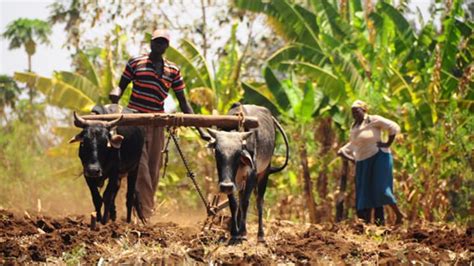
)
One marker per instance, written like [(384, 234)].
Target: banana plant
[(78, 91), (420, 78), (75, 91), (210, 90), (297, 107), (334, 50)]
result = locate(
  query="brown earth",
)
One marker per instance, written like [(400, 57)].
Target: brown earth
[(25, 238)]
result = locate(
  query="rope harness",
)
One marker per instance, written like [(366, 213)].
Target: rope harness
[(241, 116), (172, 136)]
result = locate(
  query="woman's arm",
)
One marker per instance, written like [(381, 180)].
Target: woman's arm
[(346, 152), (386, 124), (386, 144)]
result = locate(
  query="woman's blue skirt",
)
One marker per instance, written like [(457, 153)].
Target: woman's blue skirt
[(374, 181)]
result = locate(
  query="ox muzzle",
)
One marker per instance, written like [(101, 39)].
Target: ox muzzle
[(227, 187)]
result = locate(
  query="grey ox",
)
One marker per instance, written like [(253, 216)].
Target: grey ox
[(244, 163)]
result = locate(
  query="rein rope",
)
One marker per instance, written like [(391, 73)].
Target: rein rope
[(172, 136)]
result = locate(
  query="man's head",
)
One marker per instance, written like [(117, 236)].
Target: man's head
[(160, 40)]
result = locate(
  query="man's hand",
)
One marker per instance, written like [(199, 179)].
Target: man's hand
[(114, 95), (114, 99), (186, 108)]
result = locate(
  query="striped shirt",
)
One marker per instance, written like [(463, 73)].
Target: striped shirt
[(149, 88)]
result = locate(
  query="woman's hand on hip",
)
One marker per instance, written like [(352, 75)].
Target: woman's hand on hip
[(386, 144), (345, 157), (383, 144)]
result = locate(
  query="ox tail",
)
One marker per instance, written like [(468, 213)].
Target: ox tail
[(285, 138)]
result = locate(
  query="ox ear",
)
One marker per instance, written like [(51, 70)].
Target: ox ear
[(246, 135), (212, 132), (115, 141), (211, 144), (246, 158), (77, 138)]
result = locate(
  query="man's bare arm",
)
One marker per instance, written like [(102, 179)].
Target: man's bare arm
[(186, 108)]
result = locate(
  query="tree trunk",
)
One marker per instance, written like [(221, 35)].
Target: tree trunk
[(29, 63), (30, 88), (341, 196), (326, 138), (308, 185), (204, 29)]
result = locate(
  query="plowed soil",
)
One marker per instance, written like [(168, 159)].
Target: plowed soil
[(25, 238)]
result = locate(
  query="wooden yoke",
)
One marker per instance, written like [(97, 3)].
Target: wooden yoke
[(176, 120)]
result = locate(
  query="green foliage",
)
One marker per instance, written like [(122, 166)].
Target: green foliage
[(71, 16), (80, 90), (29, 175), (25, 32), (413, 77), (9, 92), (209, 90), (58, 92)]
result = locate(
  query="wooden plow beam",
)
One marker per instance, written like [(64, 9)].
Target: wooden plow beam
[(179, 119)]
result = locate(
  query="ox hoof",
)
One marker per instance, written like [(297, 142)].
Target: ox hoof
[(261, 240), (242, 238), (235, 241)]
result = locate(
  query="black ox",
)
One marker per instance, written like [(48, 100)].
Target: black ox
[(109, 152), (244, 163)]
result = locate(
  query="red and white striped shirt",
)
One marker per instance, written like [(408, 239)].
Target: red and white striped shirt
[(150, 88)]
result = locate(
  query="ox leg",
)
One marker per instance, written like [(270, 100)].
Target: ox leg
[(244, 205), (132, 197), (96, 198), (109, 196), (234, 230), (113, 209), (261, 187)]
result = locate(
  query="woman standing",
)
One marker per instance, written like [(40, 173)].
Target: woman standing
[(374, 163)]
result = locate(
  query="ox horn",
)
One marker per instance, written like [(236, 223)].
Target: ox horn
[(79, 121), (82, 123), (113, 123)]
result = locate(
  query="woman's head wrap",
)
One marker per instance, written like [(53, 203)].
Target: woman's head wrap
[(360, 104)]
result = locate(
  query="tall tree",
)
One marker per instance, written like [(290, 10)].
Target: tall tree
[(26, 33), (71, 16)]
